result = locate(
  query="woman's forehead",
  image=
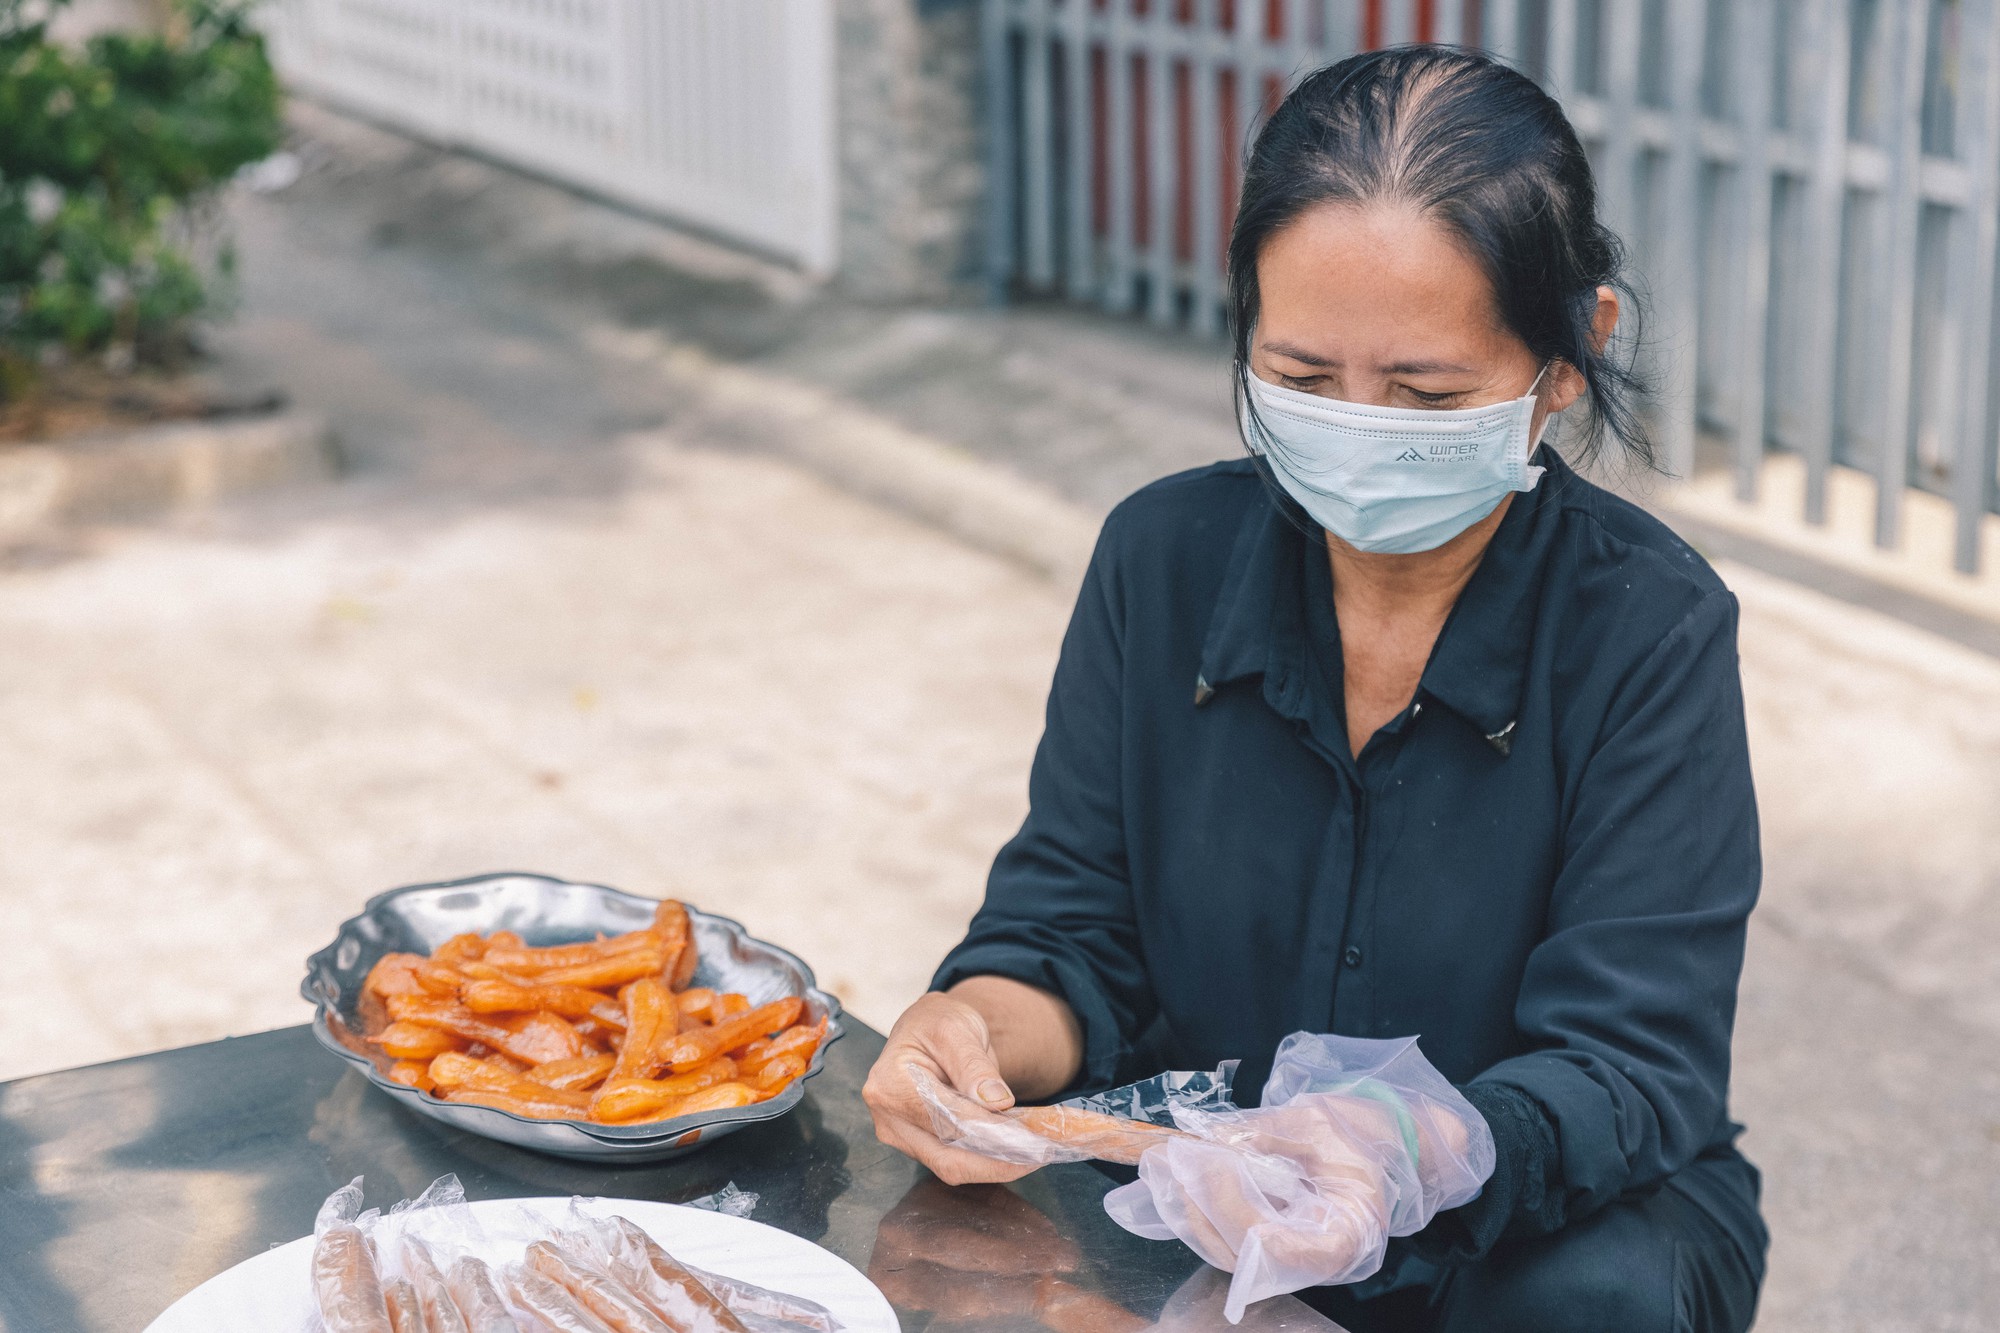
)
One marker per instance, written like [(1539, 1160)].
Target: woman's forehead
[(1378, 283)]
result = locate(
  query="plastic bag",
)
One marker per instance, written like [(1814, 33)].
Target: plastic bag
[(618, 1306), (377, 1272), (547, 1301), (429, 1265), (405, 1315), (729, 1199), (477, 1291), (688, 1298), (1155, 1099), (410, 1240), (1079, 1130), (1356, 1141), (346, 1286), (427, 1282), (658, 1281), (765, 1311)]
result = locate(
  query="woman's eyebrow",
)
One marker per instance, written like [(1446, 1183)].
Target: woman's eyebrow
[(1299, 354), (1425, 368), (1399, 368)]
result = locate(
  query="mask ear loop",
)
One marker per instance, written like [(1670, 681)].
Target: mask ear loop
[(1535, 436)]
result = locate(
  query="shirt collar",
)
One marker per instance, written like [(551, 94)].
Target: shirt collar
[(1478, 668), (1238, 643)]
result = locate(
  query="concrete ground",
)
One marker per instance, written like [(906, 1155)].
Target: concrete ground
[(589, 603), (728, 682)]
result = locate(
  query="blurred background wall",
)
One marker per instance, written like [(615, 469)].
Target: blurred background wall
[(839, 135), (1809, 187)]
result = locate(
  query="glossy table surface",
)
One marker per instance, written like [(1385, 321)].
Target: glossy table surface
[(125, 1185)]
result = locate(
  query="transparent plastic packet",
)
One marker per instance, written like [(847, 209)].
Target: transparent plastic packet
[(1114, 1126), (566, 1259), (765, 1311), (1156, 1099), (428, 1284), (691, 1300), (419, 1240), (617, 1247), (475, 1287), (564, 1281), (405, 1315), (347, 1288), (730, 1199), (429, 1266), (425, 1278), (547, 1303), (1355, 1141)]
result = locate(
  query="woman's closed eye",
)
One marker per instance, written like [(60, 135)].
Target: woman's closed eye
[(1405, 394), (1447, 399)]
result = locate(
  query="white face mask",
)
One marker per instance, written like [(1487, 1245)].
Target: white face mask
[(1394, 479)]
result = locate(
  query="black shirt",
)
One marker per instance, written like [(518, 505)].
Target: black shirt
[(1542, 867)]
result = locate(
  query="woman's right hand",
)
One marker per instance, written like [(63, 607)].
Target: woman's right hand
[(949, 1040)]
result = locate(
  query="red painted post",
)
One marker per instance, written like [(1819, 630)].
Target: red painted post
[(1100, 143), (1142, 162)]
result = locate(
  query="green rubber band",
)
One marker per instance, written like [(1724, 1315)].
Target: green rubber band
[(1383, 1093)]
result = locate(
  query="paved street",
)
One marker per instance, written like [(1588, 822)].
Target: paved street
[(729, 682), (565, 613)]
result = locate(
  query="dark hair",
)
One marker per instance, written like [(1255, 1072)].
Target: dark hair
[(1486, 152)]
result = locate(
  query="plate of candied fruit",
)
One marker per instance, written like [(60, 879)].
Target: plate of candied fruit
[(438, 1264), (572, 1019)]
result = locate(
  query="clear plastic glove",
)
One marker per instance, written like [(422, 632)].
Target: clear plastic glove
[(1356, 1141)]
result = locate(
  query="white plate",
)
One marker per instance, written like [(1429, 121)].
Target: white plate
[(272, 1294)]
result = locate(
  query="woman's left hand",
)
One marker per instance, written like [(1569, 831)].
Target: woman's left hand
[(1303, 1194), (1282, 1180), (1341, 1135)]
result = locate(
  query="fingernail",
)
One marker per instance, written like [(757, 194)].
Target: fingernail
[(993, 1090)]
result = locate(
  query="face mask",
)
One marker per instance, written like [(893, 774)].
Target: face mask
[(1393, 479)]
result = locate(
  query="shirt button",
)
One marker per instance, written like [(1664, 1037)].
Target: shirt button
[(1352, 957)]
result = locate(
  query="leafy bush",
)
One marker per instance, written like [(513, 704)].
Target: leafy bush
[(110, 157)]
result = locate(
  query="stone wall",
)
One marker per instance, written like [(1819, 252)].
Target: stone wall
[(912, 150)]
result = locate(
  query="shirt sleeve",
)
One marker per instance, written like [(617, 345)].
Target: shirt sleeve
[(1523, 1196), (1058, 912), (1628, 1003)]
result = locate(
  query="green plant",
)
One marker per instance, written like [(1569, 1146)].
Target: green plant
[(110, 158)]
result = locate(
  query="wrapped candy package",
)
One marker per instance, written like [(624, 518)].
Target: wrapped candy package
[(428, 1266)]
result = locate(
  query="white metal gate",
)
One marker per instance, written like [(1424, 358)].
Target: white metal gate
[(718, 113), (1810, 187)]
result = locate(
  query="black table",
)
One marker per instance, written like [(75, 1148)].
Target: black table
[(125, 1185)]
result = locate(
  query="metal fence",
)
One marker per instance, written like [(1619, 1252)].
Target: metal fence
[(1809, 189), (718, 113)]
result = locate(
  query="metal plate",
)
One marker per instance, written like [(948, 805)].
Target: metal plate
[(542, 910)]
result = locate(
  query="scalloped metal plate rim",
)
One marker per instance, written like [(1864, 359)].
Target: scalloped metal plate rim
[(612, 1140)]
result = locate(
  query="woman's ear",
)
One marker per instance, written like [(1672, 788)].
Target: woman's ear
[(1565, 387), (1566, 383), (1604, 320)]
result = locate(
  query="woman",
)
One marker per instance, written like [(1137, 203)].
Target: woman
[(1401, 727)]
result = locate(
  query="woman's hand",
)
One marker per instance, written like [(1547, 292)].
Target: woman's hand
[(984, 1040), (1277, 1196), (947, 1039), (1307, 1191)]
